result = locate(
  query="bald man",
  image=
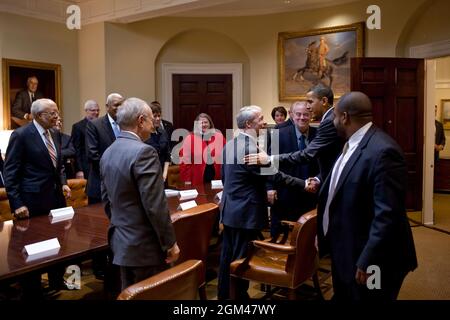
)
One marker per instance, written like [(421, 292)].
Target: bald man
[(361, 212)]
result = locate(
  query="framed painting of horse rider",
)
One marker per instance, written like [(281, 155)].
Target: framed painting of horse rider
[(320, 56)]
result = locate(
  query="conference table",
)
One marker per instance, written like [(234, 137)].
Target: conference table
[(80, 237)]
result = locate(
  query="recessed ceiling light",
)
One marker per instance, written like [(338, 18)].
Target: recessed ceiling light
[(287, 1)]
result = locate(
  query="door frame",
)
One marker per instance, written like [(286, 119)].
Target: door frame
[(429, 51), (168, 69)]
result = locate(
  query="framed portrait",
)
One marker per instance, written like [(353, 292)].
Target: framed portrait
[(445, 113), (15, 77), (320, 56)]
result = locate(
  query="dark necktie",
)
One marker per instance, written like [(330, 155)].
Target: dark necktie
[(301, 142)]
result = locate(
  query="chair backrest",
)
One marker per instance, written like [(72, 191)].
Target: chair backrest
[(303, 264), (5, 210), (193, 230), (173, 176), (178, 283), (79, 197)]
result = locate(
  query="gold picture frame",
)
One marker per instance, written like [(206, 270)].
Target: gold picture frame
[(311, 57), (15, 74), (445, 113)]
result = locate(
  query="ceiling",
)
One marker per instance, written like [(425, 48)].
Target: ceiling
[(125, 11)]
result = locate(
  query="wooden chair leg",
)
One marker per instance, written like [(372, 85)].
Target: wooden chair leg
[(292, 294), (317, 286), (202, 292), (233, 288)]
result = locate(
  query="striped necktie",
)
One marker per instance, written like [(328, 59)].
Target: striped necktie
[(50, 147)]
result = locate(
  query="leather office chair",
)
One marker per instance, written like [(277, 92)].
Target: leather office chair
[(173, 177), (79, 197), (193, 230), (5, 210), (282, 265), (178, 283)]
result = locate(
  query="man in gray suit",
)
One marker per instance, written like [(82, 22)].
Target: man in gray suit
[(141, 234)]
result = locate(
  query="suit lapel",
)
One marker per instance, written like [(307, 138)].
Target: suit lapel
[(37, 140), (57, 141), (293, 138), (355, 156), (108, 128)]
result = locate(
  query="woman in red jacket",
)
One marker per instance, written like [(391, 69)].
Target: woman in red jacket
[(201, 153)]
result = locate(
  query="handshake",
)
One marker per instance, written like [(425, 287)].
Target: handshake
[(312, 185)]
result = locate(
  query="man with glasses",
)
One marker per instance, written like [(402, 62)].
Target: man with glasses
[(34, 175), (34, 178), (92, 111), (100, 134)]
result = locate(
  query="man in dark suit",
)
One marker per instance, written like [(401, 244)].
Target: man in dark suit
[(243, 204), (34, 175), (326, 145), (100, 134), (439, 142), (361, 211), (22, 103), (291, 203), (35, 178), (141, 234), (92, 111), (67, 150)]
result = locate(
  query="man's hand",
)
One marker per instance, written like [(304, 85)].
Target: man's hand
[(272, 196), (66, 190), (438, 147), (22, 213), (173, 254), (79, 175), (313, 185), (261, 158), (361, 277)]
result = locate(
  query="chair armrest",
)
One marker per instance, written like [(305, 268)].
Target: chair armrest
[(274, 246), (291, 224)]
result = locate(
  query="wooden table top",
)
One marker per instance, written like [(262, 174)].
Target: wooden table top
[(81, 236)]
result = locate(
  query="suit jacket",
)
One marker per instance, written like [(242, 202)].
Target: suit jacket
[(79, 142), (244, 197), (160, 142), (287, 123), (99, 136), (243, 203), (30, 177), (68, 155), (440, 137), (367, 216), (168, 127), (141, 230), (325, 147), (292, 202), (1, 170), (22, 103)]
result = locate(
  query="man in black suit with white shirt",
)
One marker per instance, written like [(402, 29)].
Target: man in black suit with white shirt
[(361, 212), (100, 134)]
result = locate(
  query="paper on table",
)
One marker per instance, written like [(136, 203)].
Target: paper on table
[(41, 249), (171, 193), (216, 184), (218, 196), (61, 214), (188, 194), (187, 205)]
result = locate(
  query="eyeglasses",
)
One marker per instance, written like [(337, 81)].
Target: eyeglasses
[(52, 114), (93, 110)]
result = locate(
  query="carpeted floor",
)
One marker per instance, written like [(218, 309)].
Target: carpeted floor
[(430, 281)]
